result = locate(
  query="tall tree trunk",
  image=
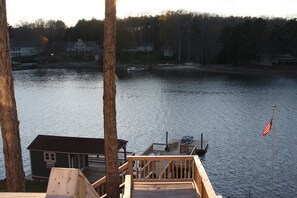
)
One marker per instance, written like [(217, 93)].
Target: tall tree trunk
[(8, 113), (109, 109)]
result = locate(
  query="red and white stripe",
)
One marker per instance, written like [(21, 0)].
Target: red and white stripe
[(267, 128)]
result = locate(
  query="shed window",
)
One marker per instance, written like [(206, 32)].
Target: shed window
[(49, 157)]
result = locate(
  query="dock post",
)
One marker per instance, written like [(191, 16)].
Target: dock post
[(166, 147), (201, 141)]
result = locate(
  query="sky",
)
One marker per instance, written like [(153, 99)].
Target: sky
[(70, 11)]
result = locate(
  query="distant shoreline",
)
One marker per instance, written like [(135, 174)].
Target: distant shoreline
[(290, 70), (238, 69), (69, 65)]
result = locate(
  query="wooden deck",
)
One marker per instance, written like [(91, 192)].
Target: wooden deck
[(175, 147), (177, 189), (200, 146)]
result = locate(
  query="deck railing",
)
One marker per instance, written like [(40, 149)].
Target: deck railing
[(100, 185), (171, 169), (152, 169), (162, 169)]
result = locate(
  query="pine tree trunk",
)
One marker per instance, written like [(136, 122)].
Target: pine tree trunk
[(109, 109), (8, 113)]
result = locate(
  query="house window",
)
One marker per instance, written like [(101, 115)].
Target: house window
[(49, 157)]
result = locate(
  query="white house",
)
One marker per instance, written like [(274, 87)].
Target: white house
[(24, 48), (85, 48)]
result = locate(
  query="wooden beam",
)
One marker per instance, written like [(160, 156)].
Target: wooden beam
[(128, 186), (22, 195), (69, 182)]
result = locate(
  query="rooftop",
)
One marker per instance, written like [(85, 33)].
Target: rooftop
[(65, 144)]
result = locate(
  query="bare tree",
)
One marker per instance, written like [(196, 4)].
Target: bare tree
[(8, 113), (109, 109)]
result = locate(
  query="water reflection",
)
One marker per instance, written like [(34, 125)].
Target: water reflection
[(230, 110)]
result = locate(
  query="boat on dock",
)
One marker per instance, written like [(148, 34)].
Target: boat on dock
[(187, 145)]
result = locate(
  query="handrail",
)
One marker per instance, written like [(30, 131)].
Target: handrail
[(100, 184), (128, 186), (202, 181)]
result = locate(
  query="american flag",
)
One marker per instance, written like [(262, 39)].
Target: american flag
[(267, 128)]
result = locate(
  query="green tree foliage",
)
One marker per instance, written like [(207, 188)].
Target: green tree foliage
[(87, 30), (192, 37)]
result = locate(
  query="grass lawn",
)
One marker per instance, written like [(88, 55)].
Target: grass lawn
[(31, 186)]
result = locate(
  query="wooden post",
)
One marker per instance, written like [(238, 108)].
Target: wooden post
[(130, 165), (125, 153), (8, 113), (166, 147), (109, 106)]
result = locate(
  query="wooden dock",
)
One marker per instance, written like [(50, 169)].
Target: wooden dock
[(176, 147), (201, 145)]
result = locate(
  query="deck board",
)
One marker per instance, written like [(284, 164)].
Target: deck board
[(151, 190)]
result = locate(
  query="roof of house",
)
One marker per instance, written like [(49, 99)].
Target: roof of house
[(65, 144), (90, 44)]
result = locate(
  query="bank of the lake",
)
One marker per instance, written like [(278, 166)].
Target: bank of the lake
[(285, 70), (282, 70)]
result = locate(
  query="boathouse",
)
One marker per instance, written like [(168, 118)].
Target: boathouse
[(67, 152)]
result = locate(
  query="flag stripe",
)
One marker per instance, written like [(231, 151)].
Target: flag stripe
[(267, 128)]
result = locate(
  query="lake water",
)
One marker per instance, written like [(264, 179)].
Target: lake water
[(230, 110)]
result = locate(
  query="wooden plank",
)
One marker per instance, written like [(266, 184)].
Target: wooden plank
[(162, 185), (180, 193), (69, 182), (128, 186), (22, 195), (62, 182), (203, 183)]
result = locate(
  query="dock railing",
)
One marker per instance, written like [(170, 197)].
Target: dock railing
[(159, 148)]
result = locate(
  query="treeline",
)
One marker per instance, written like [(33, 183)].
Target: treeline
[(192, 37)]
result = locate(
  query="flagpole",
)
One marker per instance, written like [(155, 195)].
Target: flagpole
[(273, 149)]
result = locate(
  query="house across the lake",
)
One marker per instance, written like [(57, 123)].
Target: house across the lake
[(68, 152), (25, 48), (84, 48)]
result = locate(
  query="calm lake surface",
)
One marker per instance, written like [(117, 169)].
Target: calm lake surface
[(231, 111)]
